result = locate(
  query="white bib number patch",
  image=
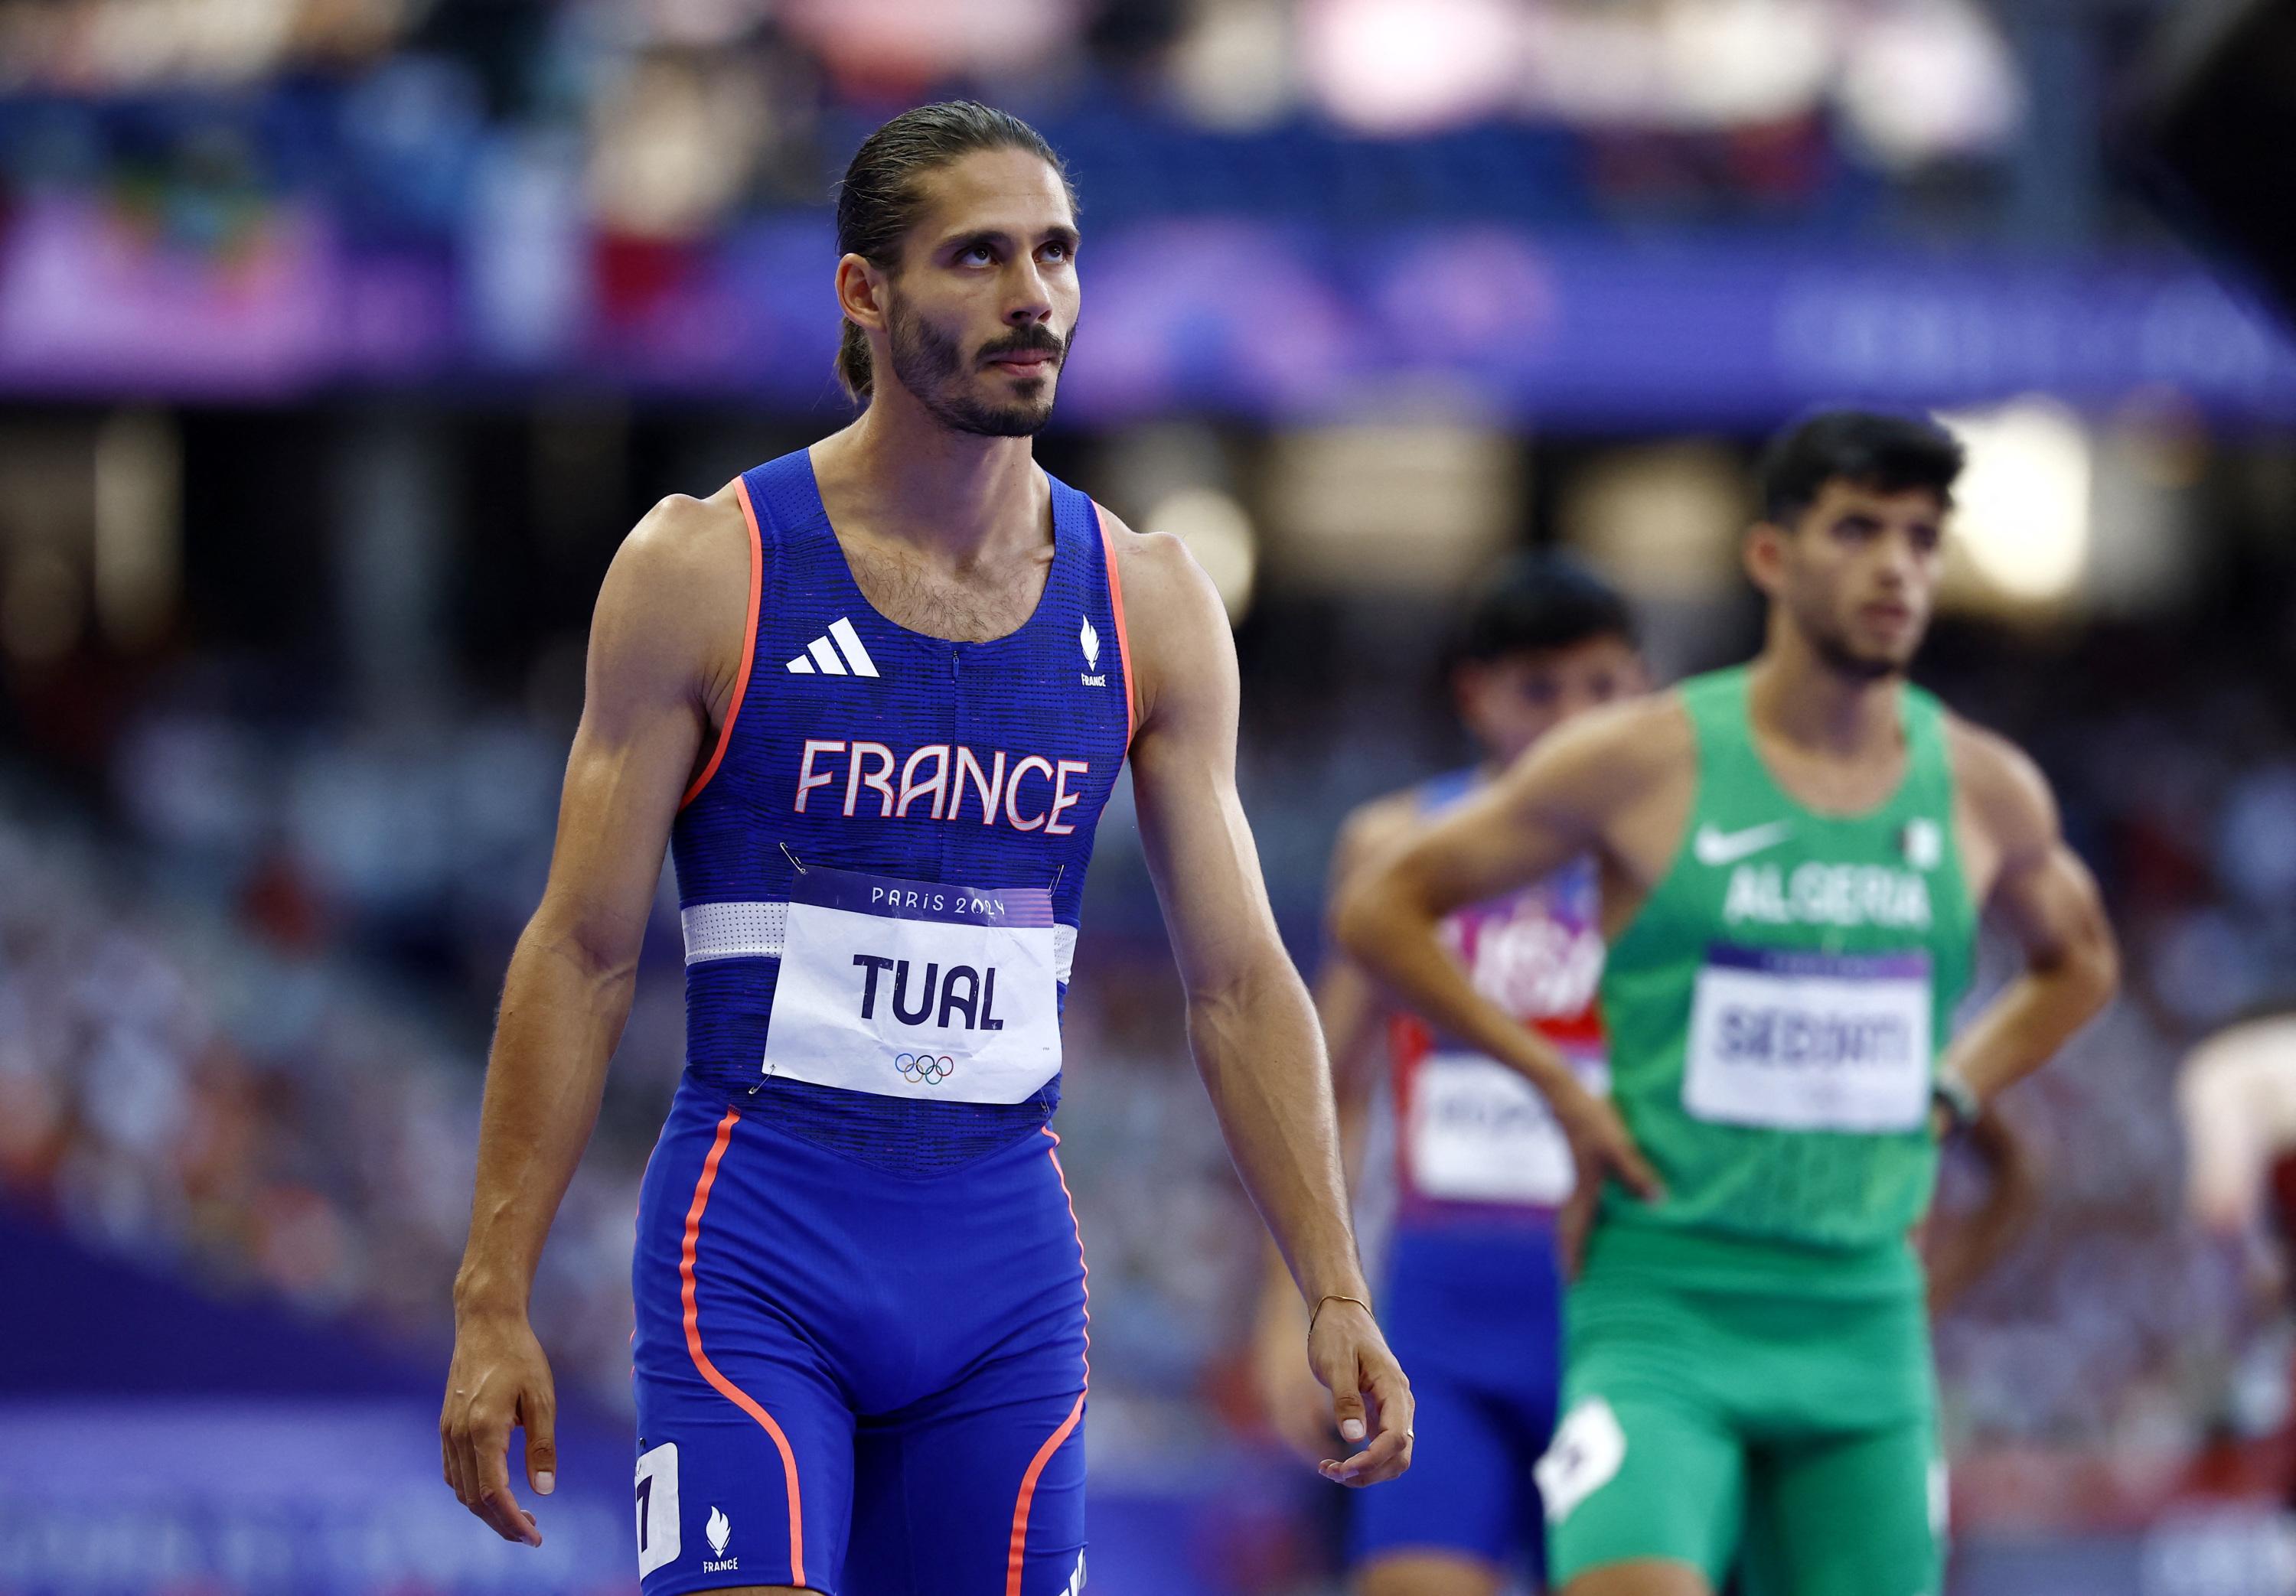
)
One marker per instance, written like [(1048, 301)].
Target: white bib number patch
[(658, 1534), (1479, 1132), (1587, 1451), (916, 989), (1810, 1041)]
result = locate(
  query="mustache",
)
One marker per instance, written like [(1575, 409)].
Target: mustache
[(1036, 340)]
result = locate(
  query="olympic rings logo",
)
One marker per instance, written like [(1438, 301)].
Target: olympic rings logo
[(924, 1067)]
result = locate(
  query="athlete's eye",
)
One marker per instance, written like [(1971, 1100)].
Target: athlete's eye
[(1054, 253), (975, 255)]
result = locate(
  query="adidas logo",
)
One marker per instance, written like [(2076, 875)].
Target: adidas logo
[(839, 653)]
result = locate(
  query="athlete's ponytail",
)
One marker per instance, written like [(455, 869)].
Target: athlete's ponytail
[(882, 192)]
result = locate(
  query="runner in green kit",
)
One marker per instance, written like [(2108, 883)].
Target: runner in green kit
[(1793, 856)]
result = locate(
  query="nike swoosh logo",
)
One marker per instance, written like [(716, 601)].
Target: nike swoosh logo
[(1727, 847)]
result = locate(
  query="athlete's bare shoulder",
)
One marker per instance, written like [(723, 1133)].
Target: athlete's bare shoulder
[(1181, 647), (2001, 788), (673, 610), (686, 547), (1161, 578)]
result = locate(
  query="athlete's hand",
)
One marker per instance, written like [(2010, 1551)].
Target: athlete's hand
[(1370, 1397), (498, 1378), (1603, 1150), (1296, 1407)]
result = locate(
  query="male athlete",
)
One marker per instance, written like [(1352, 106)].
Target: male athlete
[(1793, 856), (1478, 1168), (874, 695)]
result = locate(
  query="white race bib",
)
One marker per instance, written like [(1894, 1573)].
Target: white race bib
[(916, 988), (1480, 1133), (1810, 1041)]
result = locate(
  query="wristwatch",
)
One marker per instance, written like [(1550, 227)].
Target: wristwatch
[(1960, 1100)]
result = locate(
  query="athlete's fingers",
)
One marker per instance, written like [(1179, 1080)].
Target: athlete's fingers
[(1388, 1455), (462, 1458), (496, 1503), (446, 1452), (1389, 1452), (1626, 1161), (1578, 1213), (1348, 1406), (538, 1413), (1388, 1397)]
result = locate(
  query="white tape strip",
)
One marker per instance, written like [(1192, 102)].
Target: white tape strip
[(757, 930)]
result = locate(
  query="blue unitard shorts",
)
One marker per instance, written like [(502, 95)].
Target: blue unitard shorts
[(852, 1379), (1473, 1312)]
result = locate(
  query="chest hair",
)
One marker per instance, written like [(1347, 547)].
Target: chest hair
[(977, 605)]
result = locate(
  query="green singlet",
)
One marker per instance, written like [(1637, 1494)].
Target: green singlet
[(1749, 1374)]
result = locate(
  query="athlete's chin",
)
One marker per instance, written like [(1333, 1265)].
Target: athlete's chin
[(1014, 421), (1878, 664)]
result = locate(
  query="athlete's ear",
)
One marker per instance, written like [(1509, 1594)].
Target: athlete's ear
[(861, 293), (1764, 554)]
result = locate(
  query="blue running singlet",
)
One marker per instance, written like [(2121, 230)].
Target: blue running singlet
[(1472, 1295), (860, 1357)]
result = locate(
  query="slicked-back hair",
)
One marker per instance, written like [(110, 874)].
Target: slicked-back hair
[(1888, 453), (1534, 602), (882, 193)]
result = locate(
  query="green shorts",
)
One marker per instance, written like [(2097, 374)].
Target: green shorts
[(1706, 1423)]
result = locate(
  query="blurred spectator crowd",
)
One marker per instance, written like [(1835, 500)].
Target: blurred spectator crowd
[(663, 121), (214, 1056)]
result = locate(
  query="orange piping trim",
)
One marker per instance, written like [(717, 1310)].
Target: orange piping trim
[(749, 645), (1012, 1562), (727, 1387), (1123, 637), (1020, 1543)]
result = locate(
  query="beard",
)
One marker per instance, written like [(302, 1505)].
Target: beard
[(1834, 650), (930, 364)]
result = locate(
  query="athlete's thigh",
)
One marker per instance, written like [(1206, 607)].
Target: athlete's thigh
[(1859, 1514), (745, 1439), (1650, 1577), (1459, 1501), (1641, 1476), (1422, 1572), (957, 1502)]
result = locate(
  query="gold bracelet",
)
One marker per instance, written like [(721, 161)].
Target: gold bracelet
[(1333, 1297)]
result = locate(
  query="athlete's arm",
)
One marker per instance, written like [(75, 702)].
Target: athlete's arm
[(1348, 1008), (1547, 809), (659, 671), (1251, 1024), (2036, 889)]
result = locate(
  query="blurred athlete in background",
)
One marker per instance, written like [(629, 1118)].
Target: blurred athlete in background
[(1464, 1150), (1793, 855), (874, 695)]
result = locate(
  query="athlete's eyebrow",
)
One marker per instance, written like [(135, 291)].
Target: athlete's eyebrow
[(995, 240), (980, 238)]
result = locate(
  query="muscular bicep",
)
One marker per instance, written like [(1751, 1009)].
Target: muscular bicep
[(2041, 893), (2050, 903), (1541, 813), (658, 624)]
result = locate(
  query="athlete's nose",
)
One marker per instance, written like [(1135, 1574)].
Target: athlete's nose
[(1033, 298), (1899, 561)]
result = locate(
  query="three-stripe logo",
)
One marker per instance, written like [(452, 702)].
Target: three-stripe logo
[(836, 653)]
